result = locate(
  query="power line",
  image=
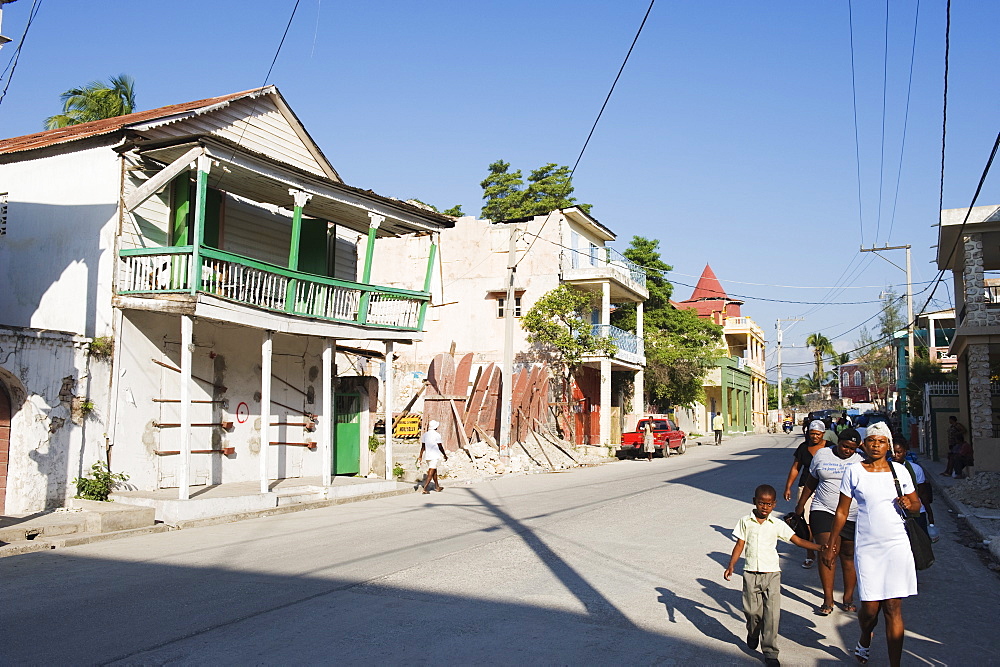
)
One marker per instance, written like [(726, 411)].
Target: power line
[(885, 83), (615, 83), (857, 142), (12, 63), (596, 120), (253, 108), (906, 118)]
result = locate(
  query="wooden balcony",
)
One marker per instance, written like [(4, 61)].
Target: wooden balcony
[(174, 270)]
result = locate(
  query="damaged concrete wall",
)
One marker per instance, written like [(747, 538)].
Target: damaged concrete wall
[(59, 398), (58, 250), (227, 366)]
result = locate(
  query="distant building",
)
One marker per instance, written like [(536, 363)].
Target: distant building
[(567, 247), (737, 387)]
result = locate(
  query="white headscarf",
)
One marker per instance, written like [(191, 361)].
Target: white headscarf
[(816, 425), (433, 425), (879, 428)]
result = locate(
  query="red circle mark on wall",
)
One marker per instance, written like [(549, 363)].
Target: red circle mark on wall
[(242, 412)]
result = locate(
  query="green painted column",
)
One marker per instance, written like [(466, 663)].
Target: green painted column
[(204, 165), (300, 199), (366, 275), (427, 278)]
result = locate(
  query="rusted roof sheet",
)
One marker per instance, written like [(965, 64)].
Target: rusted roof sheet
[(110, 125)]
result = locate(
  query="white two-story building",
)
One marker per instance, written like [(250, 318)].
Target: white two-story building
[(183, 288)]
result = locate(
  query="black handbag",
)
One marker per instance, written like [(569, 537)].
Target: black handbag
[(798, 524), (920, 541)]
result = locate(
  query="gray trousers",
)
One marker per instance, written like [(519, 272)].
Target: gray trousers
[(762, 606)]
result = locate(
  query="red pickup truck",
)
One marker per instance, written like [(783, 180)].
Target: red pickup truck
[(665, 432)]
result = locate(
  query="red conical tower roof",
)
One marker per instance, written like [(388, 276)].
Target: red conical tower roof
[(708, 286), (710, 300)]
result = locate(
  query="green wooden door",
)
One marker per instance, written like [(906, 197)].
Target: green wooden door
[(347, 434)]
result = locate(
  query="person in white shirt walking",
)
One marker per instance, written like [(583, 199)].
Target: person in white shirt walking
[(717, 425), (432, 452)]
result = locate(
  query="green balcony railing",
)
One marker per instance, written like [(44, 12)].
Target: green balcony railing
[(267, 286)]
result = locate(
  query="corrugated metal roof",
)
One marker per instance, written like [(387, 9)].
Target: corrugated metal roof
[(110, 125)]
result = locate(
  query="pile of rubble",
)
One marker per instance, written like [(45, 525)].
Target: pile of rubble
[(980, 490), (478, 460)]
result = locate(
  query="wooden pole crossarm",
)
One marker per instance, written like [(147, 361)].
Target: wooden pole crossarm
[(200, 379), (227, 451), (310, 415), (228, 426)]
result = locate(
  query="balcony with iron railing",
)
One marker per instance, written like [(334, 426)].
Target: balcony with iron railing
[(606, 264), (629, 347), (224, 275)]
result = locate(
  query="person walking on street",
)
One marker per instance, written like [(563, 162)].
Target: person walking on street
[(956, 436), (759, 533), (649, 440), (717, 425), (823, 488), (801, 460), (883, 558), (432, 452)]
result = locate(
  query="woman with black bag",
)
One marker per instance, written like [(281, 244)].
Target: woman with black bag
[(883, 558)]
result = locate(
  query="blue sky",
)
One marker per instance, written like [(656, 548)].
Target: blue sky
[(730, 136)]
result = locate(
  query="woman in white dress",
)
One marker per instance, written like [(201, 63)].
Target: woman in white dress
[(882, 555)]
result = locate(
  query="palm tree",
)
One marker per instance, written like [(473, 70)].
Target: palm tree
[(821, 346), (95, 101)]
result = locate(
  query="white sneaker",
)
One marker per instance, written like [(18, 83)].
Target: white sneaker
[(955, 475)]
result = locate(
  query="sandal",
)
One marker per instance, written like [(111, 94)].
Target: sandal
[(850, 606), (825, 610), (862, 653), (807, 563), (426, 492)]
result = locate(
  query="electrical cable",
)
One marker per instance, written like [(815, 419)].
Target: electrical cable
[(885, 83), (253, 108), (596, 120), (906, 118), (857, 142), (14, 59)]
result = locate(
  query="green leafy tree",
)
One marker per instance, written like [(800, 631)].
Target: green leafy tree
[(503, 192), (680, 346), (822, 347), (95, 101), (549, 188), (507, 198), (877, 355), (455, 211)]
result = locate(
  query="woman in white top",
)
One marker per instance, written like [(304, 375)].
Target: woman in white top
[(432, 452), (884, 562), (823, 487)]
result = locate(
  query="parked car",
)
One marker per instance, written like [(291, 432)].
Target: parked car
[(665, 432)]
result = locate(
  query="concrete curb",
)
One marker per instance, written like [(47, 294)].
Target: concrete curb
[(975, 523), (283, 509)]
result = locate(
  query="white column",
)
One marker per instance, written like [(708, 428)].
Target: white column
[(265, 408), (387, 417), (639, 387), (187, 342), (325, 422), (605, 422)]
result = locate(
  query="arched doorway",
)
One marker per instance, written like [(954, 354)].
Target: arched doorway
[(5, 413)]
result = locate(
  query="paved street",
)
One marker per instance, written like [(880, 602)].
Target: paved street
[(619, 564)]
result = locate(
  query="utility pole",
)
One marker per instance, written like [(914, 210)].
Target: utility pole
[(902, 383), (777, 326), (507, 375)]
